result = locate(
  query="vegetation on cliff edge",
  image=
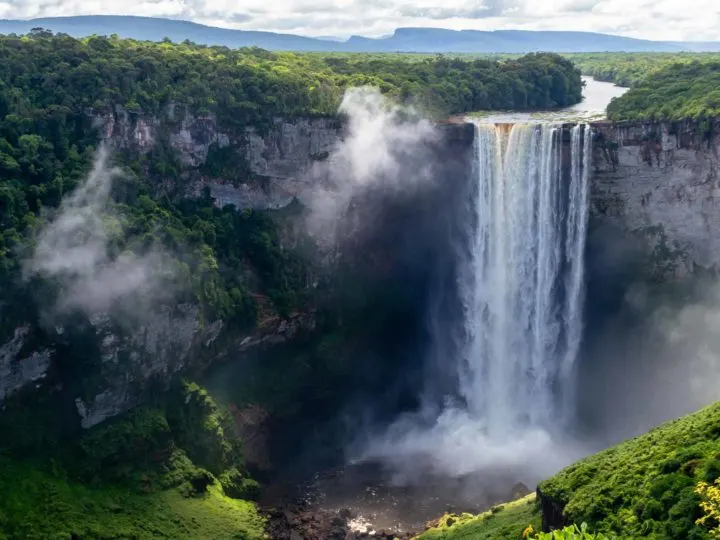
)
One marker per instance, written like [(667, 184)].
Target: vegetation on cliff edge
[(248, 87), (631, 69), (645, 487)]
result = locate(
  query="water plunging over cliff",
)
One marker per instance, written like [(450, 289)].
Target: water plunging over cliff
[(505, 321), (522, 284)]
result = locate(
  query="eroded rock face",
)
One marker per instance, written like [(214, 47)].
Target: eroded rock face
[(166, 342), (251, 424), (18, 370), (661, 182), (274, 162), (158, 348)]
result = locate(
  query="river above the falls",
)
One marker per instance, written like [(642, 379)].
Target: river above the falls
[(596, 97)]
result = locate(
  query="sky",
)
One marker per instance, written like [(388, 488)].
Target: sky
[(650, 19)]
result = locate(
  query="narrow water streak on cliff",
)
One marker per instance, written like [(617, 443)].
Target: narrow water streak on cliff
[(577, 222), (523, 285)]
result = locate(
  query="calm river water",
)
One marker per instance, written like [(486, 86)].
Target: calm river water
[(596, 96)]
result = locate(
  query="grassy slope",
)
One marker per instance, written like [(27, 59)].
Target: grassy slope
[(155, 472), (504, 522), (38, 505), (643, 488)]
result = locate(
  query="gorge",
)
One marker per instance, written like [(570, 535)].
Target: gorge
[(381, 290)]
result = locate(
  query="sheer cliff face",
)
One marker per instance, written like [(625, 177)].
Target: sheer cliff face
[(39, 358), (258, 169), (655, 182), (268, 169), (659, 183)]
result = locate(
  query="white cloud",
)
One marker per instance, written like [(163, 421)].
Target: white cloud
[(654, 19), (74, 249)]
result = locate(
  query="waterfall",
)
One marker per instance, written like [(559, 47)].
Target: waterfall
[(523, 285)]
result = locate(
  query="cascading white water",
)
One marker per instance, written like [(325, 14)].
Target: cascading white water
[(523, 287)]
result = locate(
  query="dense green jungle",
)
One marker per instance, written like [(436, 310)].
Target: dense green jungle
[(663, 86), (175, 463)]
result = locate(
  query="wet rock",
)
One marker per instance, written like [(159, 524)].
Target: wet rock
[(16, 372), (302, 524), (289, 518), (519, 491)]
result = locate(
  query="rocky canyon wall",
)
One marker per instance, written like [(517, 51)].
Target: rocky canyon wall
[(259, 168), (269, 168), (656, 182), (659, 182)]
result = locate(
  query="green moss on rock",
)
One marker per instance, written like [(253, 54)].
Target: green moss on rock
[(502, 522), (239, 486), (204, 429)]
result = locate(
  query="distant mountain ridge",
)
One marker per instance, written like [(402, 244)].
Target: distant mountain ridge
[(420, 40)]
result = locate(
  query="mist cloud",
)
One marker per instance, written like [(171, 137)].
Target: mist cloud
[(456, 444), (657, 360), (74, 248), (382, 151)]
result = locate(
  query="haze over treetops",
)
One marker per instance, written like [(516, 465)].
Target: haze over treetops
[(428, 40)]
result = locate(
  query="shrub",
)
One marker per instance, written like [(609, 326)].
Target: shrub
[(237, 486), (139, 438), (572, 532), (204, 429), (710, 504)]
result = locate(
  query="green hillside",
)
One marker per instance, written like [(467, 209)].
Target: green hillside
[(646, 487), (171, 471), (502, 521)]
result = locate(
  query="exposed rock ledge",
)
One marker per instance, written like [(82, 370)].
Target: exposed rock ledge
[(17, 371)]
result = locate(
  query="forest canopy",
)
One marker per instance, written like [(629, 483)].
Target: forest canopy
[(252, 85), (664, 86), (677, 92), (630, 69)]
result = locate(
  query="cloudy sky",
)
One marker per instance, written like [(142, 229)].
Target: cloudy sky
[(653, 19)]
